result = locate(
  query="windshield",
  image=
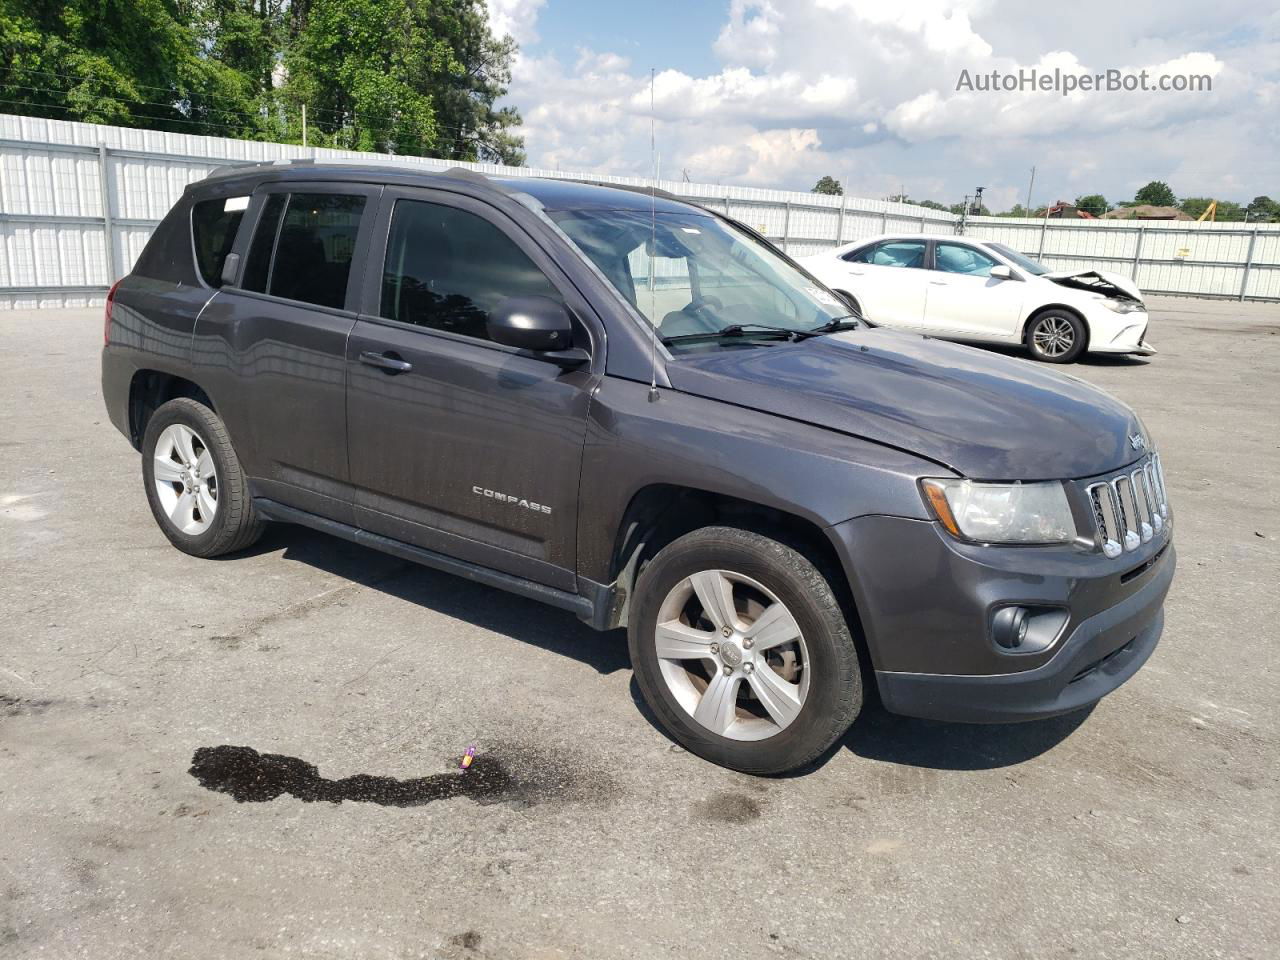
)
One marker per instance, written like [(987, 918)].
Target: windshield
[(694, 277), (1032, 267)]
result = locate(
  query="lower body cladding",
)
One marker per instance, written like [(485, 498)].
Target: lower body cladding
[(937, 617)]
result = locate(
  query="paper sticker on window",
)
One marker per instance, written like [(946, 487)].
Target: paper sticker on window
[(233, 204), (822, 296)]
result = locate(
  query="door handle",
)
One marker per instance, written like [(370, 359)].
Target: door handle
[(386, 361), (937, 283)]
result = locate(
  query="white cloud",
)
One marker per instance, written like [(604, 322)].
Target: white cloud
[(866, 92), (518, 18)]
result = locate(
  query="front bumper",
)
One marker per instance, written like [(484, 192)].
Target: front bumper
[(1118, 333), (927, 604), (1099, 655)]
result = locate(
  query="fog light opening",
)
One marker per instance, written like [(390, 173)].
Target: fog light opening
[(1009, 629)]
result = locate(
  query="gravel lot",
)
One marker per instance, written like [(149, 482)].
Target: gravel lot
[(1147, 828)]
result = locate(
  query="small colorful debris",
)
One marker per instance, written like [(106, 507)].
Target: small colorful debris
[(468, 757)]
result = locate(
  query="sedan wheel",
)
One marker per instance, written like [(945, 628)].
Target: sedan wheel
[(1056, 336)]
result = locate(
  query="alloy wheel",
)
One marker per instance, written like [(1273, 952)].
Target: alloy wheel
[(186, 479), (1054, 336), (732, 655)]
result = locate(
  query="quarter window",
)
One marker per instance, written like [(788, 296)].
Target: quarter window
[(447, 269), (213, 229), (961, 258), (303, 247)]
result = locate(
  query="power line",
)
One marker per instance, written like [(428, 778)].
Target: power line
[(341, 114)]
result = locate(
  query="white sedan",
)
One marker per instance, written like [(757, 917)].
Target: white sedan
[(958, 288)]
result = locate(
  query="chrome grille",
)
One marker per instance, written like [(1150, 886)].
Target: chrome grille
[(1130, 508)]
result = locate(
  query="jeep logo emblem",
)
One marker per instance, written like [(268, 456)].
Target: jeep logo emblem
[(1137, 441)]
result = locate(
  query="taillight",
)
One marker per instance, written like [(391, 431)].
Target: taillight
[(106, 318)]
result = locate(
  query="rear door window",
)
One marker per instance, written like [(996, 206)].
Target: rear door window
[(213, 230), (303, 247), (899, 253)]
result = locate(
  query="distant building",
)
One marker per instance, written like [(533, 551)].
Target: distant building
[(1146, 211), (1069, 211)]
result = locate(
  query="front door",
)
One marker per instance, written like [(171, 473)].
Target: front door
[(964, 300), (458, 444)]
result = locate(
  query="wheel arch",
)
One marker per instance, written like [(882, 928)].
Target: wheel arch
[(660, 513), (1066, 308), (149, 390)]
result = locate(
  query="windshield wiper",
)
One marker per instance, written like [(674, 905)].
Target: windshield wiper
[(739, 330), (848, 322)]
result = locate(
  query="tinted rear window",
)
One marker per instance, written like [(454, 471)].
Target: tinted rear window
[(213, 229), (308, 257)]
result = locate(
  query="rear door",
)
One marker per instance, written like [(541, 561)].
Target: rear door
[(964, 300), (889, 282), (458, 444), (272, 344)]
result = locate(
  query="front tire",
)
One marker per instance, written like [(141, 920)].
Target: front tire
[(1056, 336), (196, 489), (741, 649)]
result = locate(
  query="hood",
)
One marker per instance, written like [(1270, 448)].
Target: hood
[(1097, 281), (984, 415)]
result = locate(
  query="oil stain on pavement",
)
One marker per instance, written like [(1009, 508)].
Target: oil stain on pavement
[(514, 776)]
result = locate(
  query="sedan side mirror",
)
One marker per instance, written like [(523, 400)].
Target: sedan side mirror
[(536, 323), (1001, 272)]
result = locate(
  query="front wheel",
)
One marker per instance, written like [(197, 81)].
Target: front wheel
[(1056, 336), (741, 649)]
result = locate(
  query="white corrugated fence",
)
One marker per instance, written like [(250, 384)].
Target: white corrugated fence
[(78, 202)]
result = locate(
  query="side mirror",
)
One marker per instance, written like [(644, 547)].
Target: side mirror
[(531, 323), (1001, 272), (536, 323)]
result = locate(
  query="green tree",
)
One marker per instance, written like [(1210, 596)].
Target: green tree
[(128, 62), (477, 76), (829, 186), (1263, 210), (1194, 206), (1157, 193), (404, 76), (1094, 203), (1229, 212)]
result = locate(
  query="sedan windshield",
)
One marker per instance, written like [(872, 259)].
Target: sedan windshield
[(701, 282), (1033, 267)]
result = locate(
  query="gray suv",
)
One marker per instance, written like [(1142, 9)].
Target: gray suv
[(638, 410)]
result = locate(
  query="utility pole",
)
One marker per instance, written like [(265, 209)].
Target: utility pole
[(1029, 186), (304, 124)]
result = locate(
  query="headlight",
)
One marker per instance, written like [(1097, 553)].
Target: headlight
[(1001, 512), (1124, 306)]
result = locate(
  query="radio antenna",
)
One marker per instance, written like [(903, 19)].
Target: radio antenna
[(653, 248)]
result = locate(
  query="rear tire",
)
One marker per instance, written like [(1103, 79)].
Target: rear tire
[(741, 649), (195, 485), (1056, 336)]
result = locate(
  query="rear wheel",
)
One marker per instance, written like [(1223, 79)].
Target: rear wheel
[(197, 491), (741, 649), (1056, 336)]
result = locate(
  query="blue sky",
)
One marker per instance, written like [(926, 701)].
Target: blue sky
[(777, 93), (657, 33)]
